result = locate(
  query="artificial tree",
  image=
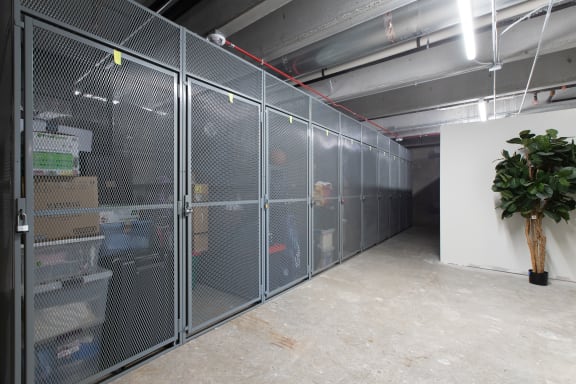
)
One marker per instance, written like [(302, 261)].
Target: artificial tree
[(536, 181)]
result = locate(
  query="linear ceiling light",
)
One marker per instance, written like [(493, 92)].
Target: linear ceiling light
[(467, 28)]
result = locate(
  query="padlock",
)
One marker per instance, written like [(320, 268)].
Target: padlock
[(22, 226)]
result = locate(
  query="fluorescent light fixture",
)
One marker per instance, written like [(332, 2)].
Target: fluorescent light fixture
[(467, 28), (147, 109), (482, 110), (76, 93), (115, 102)]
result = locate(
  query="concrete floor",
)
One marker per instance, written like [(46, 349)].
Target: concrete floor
[(390, 315)]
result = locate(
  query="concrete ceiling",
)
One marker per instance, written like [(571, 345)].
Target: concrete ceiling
[(402, 62)]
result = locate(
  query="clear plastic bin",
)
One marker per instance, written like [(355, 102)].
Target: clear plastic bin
[(57, 260), (67, 305)]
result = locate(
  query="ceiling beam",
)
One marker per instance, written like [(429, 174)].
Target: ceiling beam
[(251, 16), (554, 69), (302, 22)]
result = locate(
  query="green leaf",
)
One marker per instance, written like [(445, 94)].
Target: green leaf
[(553, 215), (526, 134), (515, 140), (552, 132)]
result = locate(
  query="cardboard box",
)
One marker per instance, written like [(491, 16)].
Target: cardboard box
[(55, 154), (200, 192), (200, 243), (200, 219), (61, 194)]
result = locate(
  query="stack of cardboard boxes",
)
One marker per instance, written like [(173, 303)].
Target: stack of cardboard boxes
[(58, 187)]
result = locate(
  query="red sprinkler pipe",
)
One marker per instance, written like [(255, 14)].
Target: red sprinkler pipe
[(305, 86)]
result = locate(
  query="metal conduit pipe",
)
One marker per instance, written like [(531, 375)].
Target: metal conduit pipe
[(537, 54), (349, 47)]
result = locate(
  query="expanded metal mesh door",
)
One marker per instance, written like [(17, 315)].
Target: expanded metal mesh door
[(225, 266), (351, 226), (326, 244), (104, 212), (369, 171), (351, 163), (369, 221), (351, 168), (287, 189), (287, 157), (224, 235), (370, 196), (384, 196), (288, 244), (395, 195)]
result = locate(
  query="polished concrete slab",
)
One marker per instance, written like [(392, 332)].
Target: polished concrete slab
[(393, 314)]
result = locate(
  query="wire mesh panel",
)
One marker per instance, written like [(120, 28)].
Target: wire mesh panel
[(350, 127), (225, 261), (225, 145), (369, 135), (287, 256), (225, 225), (121, 23), (370, 221), (104, 211), (384, 143), (326, 236), (287, 244), (325, 197), (351, 226), (369, 171), (287, 157), (325, 163), (384, 196), (283, 96), (325, 115), (395, 208), (351, 168), (213, 64)]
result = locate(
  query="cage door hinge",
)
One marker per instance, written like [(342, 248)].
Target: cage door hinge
[(265, 203)]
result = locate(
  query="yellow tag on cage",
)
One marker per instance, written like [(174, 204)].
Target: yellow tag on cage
[(117, 57)]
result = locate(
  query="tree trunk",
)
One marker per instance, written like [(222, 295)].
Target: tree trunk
[(536, 242)]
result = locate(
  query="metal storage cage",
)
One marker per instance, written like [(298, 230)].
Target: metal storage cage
[(167, 185), (287, 193), (351, 214), (325, 198), (350, 128), (103, 285), (223, 247), (324, 115), (286, 98), (369, 196)]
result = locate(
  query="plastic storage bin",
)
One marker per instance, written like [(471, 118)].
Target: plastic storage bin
[(120, 237), (68, 305), (57, 260), (68, 359)]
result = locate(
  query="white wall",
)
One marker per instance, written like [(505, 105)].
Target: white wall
[(472, 233)]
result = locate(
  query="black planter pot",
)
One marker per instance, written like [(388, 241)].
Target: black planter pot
[(538, 278)]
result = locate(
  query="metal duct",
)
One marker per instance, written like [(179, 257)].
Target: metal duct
[(414, 20)]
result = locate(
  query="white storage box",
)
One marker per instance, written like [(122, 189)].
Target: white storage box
[(55, 154)]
